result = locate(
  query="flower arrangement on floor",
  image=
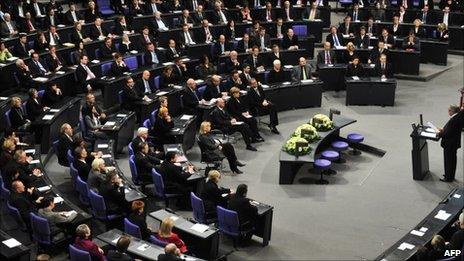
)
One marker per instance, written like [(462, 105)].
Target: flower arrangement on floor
[(321, 122), (290, 146), (308, 132)]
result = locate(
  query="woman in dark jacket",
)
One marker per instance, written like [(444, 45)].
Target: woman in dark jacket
[(167, 78), (91, 13), (213, 195), (78, 52), (162, 126), (213, 150), (52, 95), (206, 68), (40, 44), (229, 31), (138, 217)]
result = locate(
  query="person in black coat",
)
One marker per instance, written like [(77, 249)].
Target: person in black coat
[(24, 76), (161, 128), (91, 107), (130, 98), (92, 13), (258, 104), (245, 45), (107, 50), (145, 162), (213, 89), (54, 61), (276, 75), (387, 38), (121, 26), (52, 95), (247, 213), (451, 140), (221, 47), (223, 121), (256, 61), (25, 200), (376, 52), (37, 66), (237, 107), (167, 78), (18, 117), (383, 68), (151, 56), (112, 191), (290, 40), (355, 68), (78, 35), (411, 42), (97, 31), (84, 76), (33, 107), (172, 52), (138, 217), (362, 40), (171, 253), (213, 150), (118, 67), (190, 98), (80, 164), (212, 194), (72, 16), (18, 169), (21, 48), (65, 143), (145, 84), (232, 63), (119, 254)]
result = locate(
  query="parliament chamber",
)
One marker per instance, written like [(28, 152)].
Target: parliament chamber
[(231, 130)]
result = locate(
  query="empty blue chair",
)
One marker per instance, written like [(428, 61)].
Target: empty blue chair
[(4, 192), (158, 242), (355, 138), (41, 93), (99, 207), (320, 165), (229, 224), (332, 156), (198, 207), (105, 7), (147, 124), (120, 96), (300, 30), (132, 229), (415, 3), (340, 146), (97, 53), (41, 231), (394, 2), (130, 149), (156, 80), (73, 172), (7, 118), (84, 129), (131, 62), (105, 68), (83, 190), (14, 212), (77, 254), (133, 170), (346, 2), (158, 188)]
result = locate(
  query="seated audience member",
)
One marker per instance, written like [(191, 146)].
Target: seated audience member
[(107, 50), (18, 169), (457, 239), (232, 62), (221, 47), (229, 31), (80, 163), (54, 61), (259, 104), (245, 15), (53, 37), (172, 52), (138, 217), (355, 68), (145, 162), (158, 24), (112, 191), (90, 105), (131, 100), (349, 53), (247, 73), (179, 70), (52, 95), (37, 66), (190, 98), (334, 38), (206, 35), (376, 52), (437, 248), (84, 76), (224, 122), (206, 68), (8, 27), (8, 150), (419, 30), (167, 78), (395, 28), (126, 45), (22, 49), (65, 143), (236, 81), (362, 40), (118, 67), (24, 76), (213, 89), (98, 174), (387, 39), (25, 200), (311, 13), (142, 136), (212, 194), (78, 35), (121, 27), (33, 107), (165, 234), (186, 37), (57, 221), (18, 117), (146, 85), (119, 254), (93, 125), (263, 40), (302, 71), (78, 52), (92, 13), (84, 242), (238, 109), (275, 55), (276, 74), (161, 128), (247, 213), (171, 253), (176, 177), (442, 32), (41, 44), (255, 60), (290, 40), (245, 45), (213, 150), (151, 55), (411, 43), (4, 53), (383, 68)]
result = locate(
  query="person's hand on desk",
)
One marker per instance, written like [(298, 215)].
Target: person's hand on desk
[(30, 190), (102, 115), (168, 118), (39, 200), (233, 121), (37, 172), (190, 169), (265, 103)]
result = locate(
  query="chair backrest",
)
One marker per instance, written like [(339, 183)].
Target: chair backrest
[(132, 229), (7, 118), (73, 172), (77, 254), (157, 82), (158, 188), (147, 124), (415, 3), (153, 116), (4, 192), (133, 169), (130, 149), (14, 212), (346, 1), (198, 208), (105, 68), (120, 97), (83, 126), (228, 221), (201, 91), (98, 205), (131, 62), (300, 30), (104, 5), (392, 2), (41, 93), (70, 156), (40, 229), (55, 145), (158, 242), (97, 53), (83, 190)]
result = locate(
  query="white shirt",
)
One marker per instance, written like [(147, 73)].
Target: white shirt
[(74, 17), (223, 17), (161, 24), (445, 18), (37, 9), (52, 39)]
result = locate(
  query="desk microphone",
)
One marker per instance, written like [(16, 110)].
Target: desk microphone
[(421, 120)]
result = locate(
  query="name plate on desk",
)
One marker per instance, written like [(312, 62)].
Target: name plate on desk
[(12, 242), (54, 110), (356, 78), (60, 73), (3, 98), (307, 81), (121, 115), (110, 123), (47, 117), (161, 93), (186, 117), (199, 228), (40, 79), (102, 146)]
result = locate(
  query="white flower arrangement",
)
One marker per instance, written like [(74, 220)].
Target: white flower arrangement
[(290, 146), (321, 122), (307, 131)]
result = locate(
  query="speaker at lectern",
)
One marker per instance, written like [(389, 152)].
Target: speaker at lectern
[(420, 153)]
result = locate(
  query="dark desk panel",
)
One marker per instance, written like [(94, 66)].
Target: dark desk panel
[(19, 253), (405, 62), (295, 95), (120, 128), (370, 91)]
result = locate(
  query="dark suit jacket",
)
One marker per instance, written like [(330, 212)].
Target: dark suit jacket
[(398, 31), (81, 77), (375, 54), (185, 20), (170, 56), (267, 41), (141, 222), (69, 19), (235, 107), (229, 66), (217, 48), (114, 255), (183, 39), (145, 163), (166, 81), (276, 77), (75, 38), (321, 57), (451, 135), (220, 119), (114, 197), (4, 31), (388, 72), (33, 109), (246, 212), (342, 28), (202, 34), (20, 50), (17, 117), (197, 17), (209, 149), (55, 37), (421, 32), (287, 42), (148, 58), (64, 145), (351, 70), (259, 62), (117, 71), (129, 98), (53, 64), (212, 196), (140, 87), (390, 39), (125, 48), (212, 92), (50, 97), (35, 70), (83, 169), (255, 100), (119, 28), (106, 53), (429, 18), (305, 14), (25, 79), (362, 42), (24, 203), (173, 175), (190, 101), (330, 39), (169, 257), (48, 21), (216, 18), (161, 128), (415, 45), (264, 15), (94, 33), (25, 174), (241, 46)]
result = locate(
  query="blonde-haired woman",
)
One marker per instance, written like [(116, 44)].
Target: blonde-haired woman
[(212, 194), (213, 148), (442, 32), (163, 125), (349, 53), (165, 234)]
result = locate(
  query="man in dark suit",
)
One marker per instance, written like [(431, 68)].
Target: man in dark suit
[(119, 253), (247, 74), (186, 37), (33, 106), (145, 38), (213, 89), (302, 71), (411, 42), (151, 56), (375, 53), (121, 26), (185, 19), (172, 52), (118, 67), (65, 143), (263, 40), (90, 105), (72, 16), (287, 12), (258, 103), (8, 27), (387, 38), (255, 61), (192, 5), (18, 118), (199, 15), (152, 7), (19, 169), (346, 27), (371, 28), (206, 33), (311, 13), (84, 76), (362, 40), (425, 15), (334, 38), (221, 47), (356, 14), (158, 24), (451, 140), (51, 19), (326, 56), (107, 50), (22, 49), (190, 98), (383, 68), (245, 45), (97, 31), (37, 66), (222, 120), (145, 84), (219, 15), (247, 213), (25, 200), (78, 35), (171, 252), (174, 177), (232, 62), (24, 75), (268, 13), (112, 191), (54, 61), (52, 36), (145, 162), (290, 40), (131, 100)]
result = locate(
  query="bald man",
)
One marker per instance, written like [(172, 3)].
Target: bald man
[(171, 253), (65, 143), (214, 89), (145, 85), (190, 99), (326, 56)]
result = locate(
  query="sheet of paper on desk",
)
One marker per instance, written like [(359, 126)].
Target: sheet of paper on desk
[(44, 188), (54, 110), (115, 240), (199, 81), (288, 66), (456, 196), (265, 86), (110, 123), (442, 215), (181, 159), (186, 117), (428, 134), (356, 78), (126, 191), (224, 195), (168, 63), (143, 247), (430, 130), (237, 123), (69, 213), (161, 93), (60, 72), (433, 126), (307, 81), (199, 228), (3, 98), (47, 117), (286, 83), (11, 59), (12, 242), (102, 146), (95, 61), (189, 258), (405, 245), (105, 156), (34, 161), (58, 199), (423, 229), (30, 151), (174, 218), (121, 115), (417, 233)]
